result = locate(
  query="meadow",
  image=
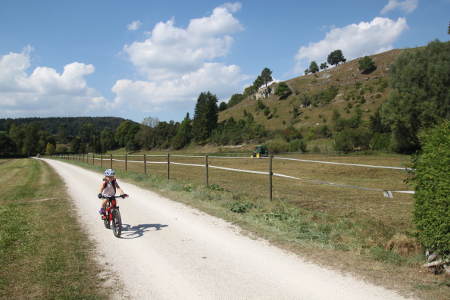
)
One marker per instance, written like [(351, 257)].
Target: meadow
[(44, 252)]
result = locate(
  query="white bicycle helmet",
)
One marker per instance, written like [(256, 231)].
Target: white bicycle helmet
[(109, 172)]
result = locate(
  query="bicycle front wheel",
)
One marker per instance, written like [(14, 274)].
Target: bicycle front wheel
[(106, 222), (116, 223)]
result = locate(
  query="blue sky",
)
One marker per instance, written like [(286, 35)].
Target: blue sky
[(139, 58)]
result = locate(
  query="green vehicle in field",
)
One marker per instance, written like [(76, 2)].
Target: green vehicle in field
[(260, 151)]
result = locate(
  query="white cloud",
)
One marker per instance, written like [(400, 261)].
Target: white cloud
[(171, 50), (153, 96), (135, 25), (407, 6), (354, 40), (179, 63), (44, 91)]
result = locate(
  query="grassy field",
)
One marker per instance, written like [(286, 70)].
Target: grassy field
[(349, 229), (44, 253)]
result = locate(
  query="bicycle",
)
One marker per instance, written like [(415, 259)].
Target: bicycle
[(112, 216)]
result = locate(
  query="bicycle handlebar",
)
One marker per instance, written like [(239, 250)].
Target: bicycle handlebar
[(120, 196)]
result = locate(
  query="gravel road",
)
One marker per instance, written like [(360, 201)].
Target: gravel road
[(171, 251)]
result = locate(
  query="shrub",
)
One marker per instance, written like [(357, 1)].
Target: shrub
[(260, 105), (61, 149), (241, 207), (380, 141), (366, 65), (283, 91), (325, 96), (351, 139), (216, 187), (278, 146), (432, 185), (297, 145)]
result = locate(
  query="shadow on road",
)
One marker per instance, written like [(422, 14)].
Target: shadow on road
[(132, 232)]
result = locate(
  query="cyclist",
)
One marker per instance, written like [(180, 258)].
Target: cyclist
[(109, 188)]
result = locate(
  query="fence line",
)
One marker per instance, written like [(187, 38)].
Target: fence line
[(344, 164), (386, 193)]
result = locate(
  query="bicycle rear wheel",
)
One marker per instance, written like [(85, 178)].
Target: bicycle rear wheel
[(116, 223)]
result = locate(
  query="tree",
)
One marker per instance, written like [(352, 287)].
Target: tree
[(266, 76), (50, 149), (313, 67), (283, 91), (222, 106), (106, 140), (306, 71), (323, 66), (17, 134), (184, 134), (30, 142), (7, 146), (366, 65), (420, 97), (205, 117), (76, 147), (126, 132), (258, 82), (62, 134), (432, 189), (335, 57)]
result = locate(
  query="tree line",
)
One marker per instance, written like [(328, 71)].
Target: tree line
[(419, 99)]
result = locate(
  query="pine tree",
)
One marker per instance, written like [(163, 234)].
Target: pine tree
[(205, 117), (184, 134)]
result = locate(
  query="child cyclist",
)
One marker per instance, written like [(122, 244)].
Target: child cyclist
[(108, 188)]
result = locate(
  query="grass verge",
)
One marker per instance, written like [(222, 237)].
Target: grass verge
[(379, 247), (44, 253)]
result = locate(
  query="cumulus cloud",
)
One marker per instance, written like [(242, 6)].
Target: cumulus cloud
[(407, 6), (135, 25), (170, 50), (354, 40), (153, 96), (44, 91), (178, 63)]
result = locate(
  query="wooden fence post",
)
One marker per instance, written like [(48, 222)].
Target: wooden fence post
[(101, 160), (110, 159), (145, 164), (206, 170), (270, 177), (126, 162), (93, 162), (168, 166)]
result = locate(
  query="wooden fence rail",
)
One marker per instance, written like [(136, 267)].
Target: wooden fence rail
[(87, 159)]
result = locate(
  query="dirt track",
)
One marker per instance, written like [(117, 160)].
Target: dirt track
[(171, 251)]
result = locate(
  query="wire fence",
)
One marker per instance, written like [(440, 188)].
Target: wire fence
[(146, 160)]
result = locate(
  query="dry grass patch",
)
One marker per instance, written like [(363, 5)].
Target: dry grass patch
[(45, 254)]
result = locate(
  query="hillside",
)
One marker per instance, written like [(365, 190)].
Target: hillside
[(316, 96)]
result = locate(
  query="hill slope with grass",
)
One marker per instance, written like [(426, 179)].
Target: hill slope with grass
[(316, 96)]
